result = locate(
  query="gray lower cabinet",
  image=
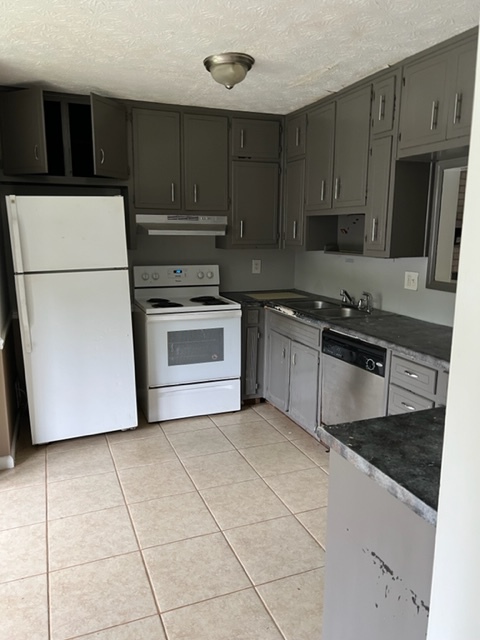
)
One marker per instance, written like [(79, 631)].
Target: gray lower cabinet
[(205, 150), (294, 203), (296, 136), (156, 159), (72, 136), (252, 352), (256, 139), (415, 386), (255, 203), (292, 369)]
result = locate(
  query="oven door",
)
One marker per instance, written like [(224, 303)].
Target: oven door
[(187, 347)]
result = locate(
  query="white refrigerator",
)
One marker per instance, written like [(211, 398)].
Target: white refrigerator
[(73, 299)]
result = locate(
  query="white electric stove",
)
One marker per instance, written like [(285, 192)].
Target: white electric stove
[(187, 342)]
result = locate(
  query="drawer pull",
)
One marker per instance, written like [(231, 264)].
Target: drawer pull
[(408, 406), (410, 374)]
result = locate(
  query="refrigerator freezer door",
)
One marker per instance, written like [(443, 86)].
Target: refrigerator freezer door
[(66, 233), (80, 370)]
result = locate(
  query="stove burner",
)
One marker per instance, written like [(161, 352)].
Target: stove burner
[(165, 303), (203, 299), (161, 300)]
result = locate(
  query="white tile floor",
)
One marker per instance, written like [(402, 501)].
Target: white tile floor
[(200, 529)]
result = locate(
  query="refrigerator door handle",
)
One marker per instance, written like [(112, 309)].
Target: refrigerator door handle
[(23, 313), (15, 229)]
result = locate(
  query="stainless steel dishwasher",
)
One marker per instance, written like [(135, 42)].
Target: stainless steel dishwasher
[(353, 379)]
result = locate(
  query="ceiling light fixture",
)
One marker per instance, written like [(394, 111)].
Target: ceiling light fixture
[(229, 68)]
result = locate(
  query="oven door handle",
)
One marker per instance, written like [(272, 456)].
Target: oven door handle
[(197, 315)]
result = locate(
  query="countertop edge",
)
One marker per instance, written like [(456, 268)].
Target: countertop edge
[(386, 482)]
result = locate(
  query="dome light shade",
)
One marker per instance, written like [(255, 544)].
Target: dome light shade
[(229, 68)]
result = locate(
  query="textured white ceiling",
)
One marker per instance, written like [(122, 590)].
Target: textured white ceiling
[(154, 49)]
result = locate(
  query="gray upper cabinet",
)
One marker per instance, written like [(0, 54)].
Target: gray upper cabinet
[(462, 73), (319, 158), (437, 99), (24, 143), (296, 136), (352, 134), (58, 136), (156, 159), (383, 107), (255, 187), (255, 139), (110, 156), (205, 146), (294, 202)]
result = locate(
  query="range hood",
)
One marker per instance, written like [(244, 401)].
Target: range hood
[(181, 225)]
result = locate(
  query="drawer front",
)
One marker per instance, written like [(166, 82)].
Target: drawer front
[(416, 377), (403, 401), (294, 329), (253, 316)]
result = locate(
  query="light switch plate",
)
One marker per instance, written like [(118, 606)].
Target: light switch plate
[(411, 280), (256, 266)]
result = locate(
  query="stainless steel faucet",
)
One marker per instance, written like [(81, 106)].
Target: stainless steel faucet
[(347, 299), (365, 302)]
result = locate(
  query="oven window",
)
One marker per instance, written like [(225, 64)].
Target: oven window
[(195, 346)]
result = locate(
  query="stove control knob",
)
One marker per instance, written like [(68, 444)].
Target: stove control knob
[(145, 276), (155, 276), (370, 364), (200, 275), (209, 275)]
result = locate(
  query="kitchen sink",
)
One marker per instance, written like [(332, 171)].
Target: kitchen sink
[(341, 312), (314, 304)]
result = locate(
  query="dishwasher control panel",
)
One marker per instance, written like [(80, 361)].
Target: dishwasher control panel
[(355, 352)]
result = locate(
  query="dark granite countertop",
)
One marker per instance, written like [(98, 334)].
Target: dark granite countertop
[(425, 341), (401, 453)]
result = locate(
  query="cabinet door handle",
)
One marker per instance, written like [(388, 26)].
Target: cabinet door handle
[(410, 374), (374, 229), (284, 353), (195, 192), (242, 138), (408, 406), (241, 228), (294, 232), (102, 156), (381, 107), (173, 191), (35, 151), (297, 137), (337, 188), (294, 359), (434, 116), (322, 191), (458, 108)]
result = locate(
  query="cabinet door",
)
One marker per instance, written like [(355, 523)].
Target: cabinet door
[(257, 139), (251, 360), (205, 162), (352, 133), (294, 201), (255, 203), (378, 194), (278, 370), (383, 105), (296, 129), (109, 125), (156, 159), (24, 144), (461, 90), (319, 158), (423, 109), (304, 389)]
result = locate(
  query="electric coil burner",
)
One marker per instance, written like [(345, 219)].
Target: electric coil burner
[(187, 342)]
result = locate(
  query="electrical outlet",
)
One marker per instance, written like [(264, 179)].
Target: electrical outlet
[(256, 266), (411, 280)]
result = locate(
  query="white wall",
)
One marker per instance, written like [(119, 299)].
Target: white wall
[(326, 274), (454, 612), (235, 265)]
